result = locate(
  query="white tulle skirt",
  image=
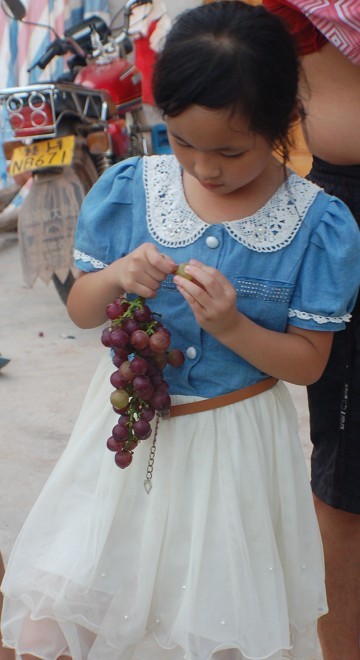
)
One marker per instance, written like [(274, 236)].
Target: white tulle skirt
[(222, 559)]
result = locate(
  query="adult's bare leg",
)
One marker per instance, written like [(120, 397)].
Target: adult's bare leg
[(339, 630)]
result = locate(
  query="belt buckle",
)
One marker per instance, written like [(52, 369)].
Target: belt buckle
[(164, 414)]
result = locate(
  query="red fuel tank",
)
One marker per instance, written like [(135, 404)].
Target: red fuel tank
[(120, 78)]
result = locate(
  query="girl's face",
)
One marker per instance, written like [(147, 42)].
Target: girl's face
[(217, 149)]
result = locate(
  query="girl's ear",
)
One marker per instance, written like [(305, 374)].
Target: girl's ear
[(298, 113)]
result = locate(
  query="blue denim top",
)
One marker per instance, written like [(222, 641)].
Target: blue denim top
[(295, 261)]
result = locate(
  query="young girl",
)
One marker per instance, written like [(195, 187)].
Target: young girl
[(222, 558)]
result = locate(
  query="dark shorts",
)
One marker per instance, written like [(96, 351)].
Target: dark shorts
[(334, 401)]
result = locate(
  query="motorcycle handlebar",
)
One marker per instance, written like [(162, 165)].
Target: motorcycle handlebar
[(55, 49), (60, 46)]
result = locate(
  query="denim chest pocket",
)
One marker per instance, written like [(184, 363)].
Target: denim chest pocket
[(264, 301), (168, 284)]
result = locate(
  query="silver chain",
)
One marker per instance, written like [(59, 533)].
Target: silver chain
[(150, 465)]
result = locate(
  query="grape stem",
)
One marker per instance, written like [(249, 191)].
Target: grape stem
[(137, 303)]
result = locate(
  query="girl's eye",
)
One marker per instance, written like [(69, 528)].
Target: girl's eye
[(233, 155), (181, 144)]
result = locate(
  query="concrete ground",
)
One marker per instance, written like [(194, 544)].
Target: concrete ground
[(43, 386)]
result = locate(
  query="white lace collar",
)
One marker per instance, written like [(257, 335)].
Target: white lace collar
[(172, 223)]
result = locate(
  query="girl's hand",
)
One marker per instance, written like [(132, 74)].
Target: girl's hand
[(139, 272), (298, 356), (210, 295), (142, 270)]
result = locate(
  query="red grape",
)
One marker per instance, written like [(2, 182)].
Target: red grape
[(117, 380), (140, 350), (162, 387), (123, 458), (161, 360), (147, 413), (112, 444), (124, 420), (106, 338), (126, 371), (146, 352), (156, 377), (141, 383), (119, 338), (147, 394), (142, 429), (159, 342), (130, 326), (114, 310), (143, 314), (161, 401), (117, 361), (120, 432), (139, 365), (139, 339), (121, 352), (175, 357)]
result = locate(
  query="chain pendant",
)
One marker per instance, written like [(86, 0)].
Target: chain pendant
[(150, 465)]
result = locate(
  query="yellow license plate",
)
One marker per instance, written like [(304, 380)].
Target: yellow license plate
[(57, 152)]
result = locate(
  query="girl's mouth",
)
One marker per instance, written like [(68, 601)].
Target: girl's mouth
[(209, 186)]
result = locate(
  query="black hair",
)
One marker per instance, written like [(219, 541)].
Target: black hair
[(229, 54)]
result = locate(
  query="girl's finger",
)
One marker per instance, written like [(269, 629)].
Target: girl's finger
[(208, 278), (193, 302), (160, 262)]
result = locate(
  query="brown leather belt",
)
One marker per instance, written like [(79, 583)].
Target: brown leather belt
[(222, 400)]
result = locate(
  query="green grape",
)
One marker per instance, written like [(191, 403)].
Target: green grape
[(181, 271)]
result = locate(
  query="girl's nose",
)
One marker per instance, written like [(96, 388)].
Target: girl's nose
[(206, 167)]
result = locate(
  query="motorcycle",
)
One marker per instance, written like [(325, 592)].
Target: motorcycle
[(66, 133)]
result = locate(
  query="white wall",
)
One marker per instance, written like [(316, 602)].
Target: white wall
[(173, 6), (176, 6)]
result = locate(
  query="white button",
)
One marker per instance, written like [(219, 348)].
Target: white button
[(212, 242), (191, 352)]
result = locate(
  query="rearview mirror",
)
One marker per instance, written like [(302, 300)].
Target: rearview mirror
[(131, 4), (14, 7)]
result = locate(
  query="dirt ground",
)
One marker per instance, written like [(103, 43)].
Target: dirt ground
[(42, 388)]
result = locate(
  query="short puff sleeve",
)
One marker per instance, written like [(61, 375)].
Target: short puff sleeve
[(329, 276), (105, 221)]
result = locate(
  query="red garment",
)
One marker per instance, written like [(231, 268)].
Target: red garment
[(145, 60), (338, 21), (308, 38)]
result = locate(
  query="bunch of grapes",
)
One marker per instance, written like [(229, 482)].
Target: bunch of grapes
[(141, 350)]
